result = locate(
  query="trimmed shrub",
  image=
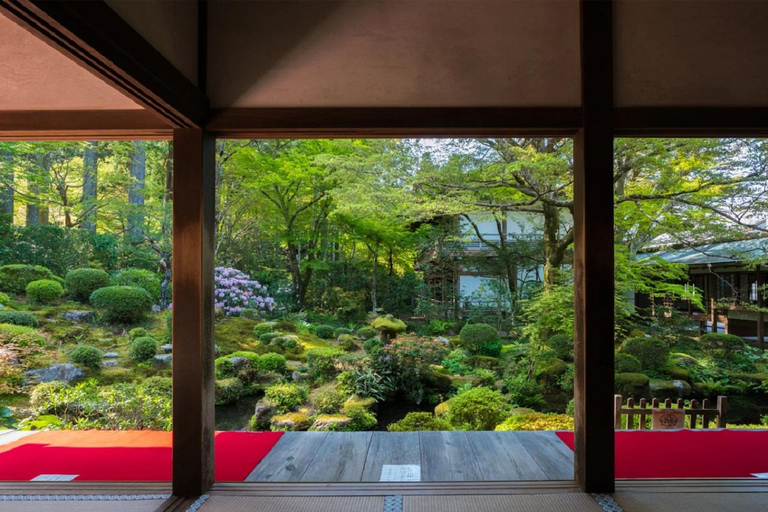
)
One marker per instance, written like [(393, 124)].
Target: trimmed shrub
[(721, 344), (324, 332), (20, 335), (264, 327), (627, 363), (288, 342), (651, 352), (479, 408), (372, 345), (142, 349), (322, 362), (537, 421), (141, 278), (366, 333), (419, 421), (327, 401), (633, 385), (82, 282), (14, 278), (86, 355), (457, 362), (562, 345), (480, 339), (44, 291), (286, 397), (158, 385), (341, 330), (362, 419), (347, 342), (127, 304), (137, 332), (4, 299), (227, 391), (267, 337), (18, 318), (272, 362)]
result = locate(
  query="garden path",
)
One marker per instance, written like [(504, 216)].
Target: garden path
[(415, 456)]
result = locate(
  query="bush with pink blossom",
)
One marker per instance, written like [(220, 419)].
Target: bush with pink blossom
[(235, 291)]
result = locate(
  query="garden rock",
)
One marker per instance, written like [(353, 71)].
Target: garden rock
[(633, 385), (333, 422), (111, 355), (161, 361), (66, 372), (109, 363), (293, 421), (669, 388), (443, 340), (167, 348), (263, 414), (9, 357), (240, 363), (79, 316)]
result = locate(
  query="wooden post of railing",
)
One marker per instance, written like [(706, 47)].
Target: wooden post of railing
[(712, 315), (617, 404), (722, 410)]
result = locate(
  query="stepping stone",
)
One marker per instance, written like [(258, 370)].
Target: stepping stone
[(167, 348), (111, 355), (109, 363)]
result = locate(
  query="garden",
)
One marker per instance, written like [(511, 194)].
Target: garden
[(332, 307)]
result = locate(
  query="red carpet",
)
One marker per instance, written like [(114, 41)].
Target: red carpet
[(121, 456), (688, 453)]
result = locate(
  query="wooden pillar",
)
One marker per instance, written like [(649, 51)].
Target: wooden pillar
[(193, 346), (593, 256), (760, 306)]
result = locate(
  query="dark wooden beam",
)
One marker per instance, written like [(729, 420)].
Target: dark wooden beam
[(691, 121), (394, 122), (81, 124), (96, 37), (193, 346), (593, 256)]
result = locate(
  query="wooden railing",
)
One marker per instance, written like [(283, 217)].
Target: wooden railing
[(694, 412)]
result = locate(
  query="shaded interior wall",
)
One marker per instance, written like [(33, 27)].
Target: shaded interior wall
[(691, 52), (394, 53), (169, 25)]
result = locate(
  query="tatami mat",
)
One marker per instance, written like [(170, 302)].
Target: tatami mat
[(565, 502), (81, 506), (692, 502), (218, 503)]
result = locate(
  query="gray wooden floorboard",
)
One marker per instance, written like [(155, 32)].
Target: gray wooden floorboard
[(550, 453), (447, 457), (341, 458), (289, 458), (391, 448), (503, 457)]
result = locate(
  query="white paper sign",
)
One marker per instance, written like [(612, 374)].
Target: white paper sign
[(760, 475), (54, 478), (400, 473)]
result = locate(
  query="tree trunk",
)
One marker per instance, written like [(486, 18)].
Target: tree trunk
[(6, 191), (90, 171), (374, 301), (168, 194), (553, 256), (136, 190), (33, 210)]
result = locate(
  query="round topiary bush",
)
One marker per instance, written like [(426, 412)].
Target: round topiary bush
[(267, 337), (139, 277), (4, 299), (372, 345), (651, 352), (341, 330), (286, 397), (723, 344), (480, 339), (82, 282), (627, 363), (18, 318), (562, 345), (366, 333), (137, 332), (322, 362), (327, 401), (143, 349), (324, 332), (126, 304), (271, 362), (86, 355), (14, 278), (419, 421), (44, 291), (479, 408)]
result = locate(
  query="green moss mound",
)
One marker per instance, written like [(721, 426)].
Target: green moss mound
[(633, 385), (627, 363), (651, 352)]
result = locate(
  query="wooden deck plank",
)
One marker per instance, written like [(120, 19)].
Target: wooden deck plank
[(391, 448), (341, 458), (551, 454), (448, 456), (503, 457), (289, 458)]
